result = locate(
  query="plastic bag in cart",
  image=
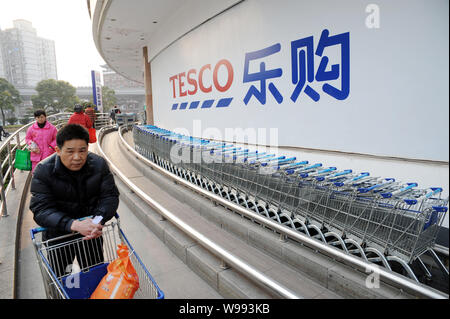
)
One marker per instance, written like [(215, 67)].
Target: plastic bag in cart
[(121, 280)]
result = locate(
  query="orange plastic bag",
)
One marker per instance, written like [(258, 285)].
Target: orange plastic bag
[(121, 281)]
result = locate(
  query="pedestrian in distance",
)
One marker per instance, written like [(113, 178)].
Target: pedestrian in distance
[(69, 185), (3, 133), (112, 116), (89, 111), (145, 114), (79, 117), (115, 110), (40, 138)]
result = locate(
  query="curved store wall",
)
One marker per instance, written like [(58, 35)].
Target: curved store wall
[(327, 80)]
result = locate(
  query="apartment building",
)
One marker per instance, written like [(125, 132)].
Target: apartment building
[(26, 58)]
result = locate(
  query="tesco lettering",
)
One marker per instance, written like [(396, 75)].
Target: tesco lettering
[(188, 83)]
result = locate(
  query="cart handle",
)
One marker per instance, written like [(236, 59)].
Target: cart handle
[(326, 170), (362, 175), (385, 182), (322, 178), (390, 194), (283, 160), (293, 165), (41, 229)]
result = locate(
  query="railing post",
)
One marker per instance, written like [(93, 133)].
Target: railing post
[(18, 140), (4, 211), (11, 168)]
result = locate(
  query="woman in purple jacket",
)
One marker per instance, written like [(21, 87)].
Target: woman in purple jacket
[(41, 138)]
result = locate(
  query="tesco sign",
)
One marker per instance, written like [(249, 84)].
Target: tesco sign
[(309, 79), (205, 79)]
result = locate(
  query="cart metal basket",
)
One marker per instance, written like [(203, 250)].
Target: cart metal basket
[(65, 278)]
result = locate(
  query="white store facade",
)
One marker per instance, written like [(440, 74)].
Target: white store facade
[(358, 85)]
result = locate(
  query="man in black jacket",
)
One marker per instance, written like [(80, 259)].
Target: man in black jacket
[(71, 184)]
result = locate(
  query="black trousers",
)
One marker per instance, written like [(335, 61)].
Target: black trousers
[(62, 253)]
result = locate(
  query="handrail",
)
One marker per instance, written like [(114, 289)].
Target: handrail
[(201, 239), (441, 249), (353, 261)]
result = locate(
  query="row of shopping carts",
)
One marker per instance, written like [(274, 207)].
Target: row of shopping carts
[(126, 118), (397, 218)]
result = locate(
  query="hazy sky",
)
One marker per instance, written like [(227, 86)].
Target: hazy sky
[(66, 22)]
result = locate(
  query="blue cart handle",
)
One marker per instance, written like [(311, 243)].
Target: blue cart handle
[(308, 167), (399, 191), (347, 171), (242, 152), (440, 209), (434, 190), (294, 165), (322, 178), (244, 155), (360, 176), (36, 230), (329, 169), (385, 182), (275, 159), (280, 161), (250, 156)]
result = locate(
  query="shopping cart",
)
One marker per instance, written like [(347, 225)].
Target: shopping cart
[(80, 279), (126, 118)]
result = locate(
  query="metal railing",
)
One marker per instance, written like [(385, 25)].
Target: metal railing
[(102, 119)]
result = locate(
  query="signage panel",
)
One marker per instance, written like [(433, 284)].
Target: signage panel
[(353, 77)]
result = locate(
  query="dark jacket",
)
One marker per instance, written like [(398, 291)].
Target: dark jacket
[(59, 195)]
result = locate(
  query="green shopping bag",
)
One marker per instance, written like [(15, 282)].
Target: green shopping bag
[(23, 160)]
